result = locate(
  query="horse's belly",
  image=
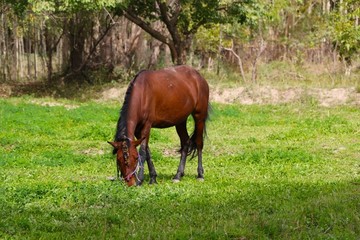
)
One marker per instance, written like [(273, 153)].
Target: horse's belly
[(168, 115), (169, 120), (163, 125)]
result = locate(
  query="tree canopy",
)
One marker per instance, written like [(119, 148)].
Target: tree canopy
[(181, 19), (74, 36)]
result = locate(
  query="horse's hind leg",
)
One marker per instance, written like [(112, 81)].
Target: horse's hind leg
[(184, 141), (199, 141)]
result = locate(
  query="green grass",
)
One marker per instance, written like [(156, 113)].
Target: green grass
[(271, 172)]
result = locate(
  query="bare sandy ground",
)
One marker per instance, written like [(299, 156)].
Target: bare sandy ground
[(247, 95), (267, 95)]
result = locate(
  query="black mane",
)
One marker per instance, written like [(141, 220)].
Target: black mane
[(121, 124)]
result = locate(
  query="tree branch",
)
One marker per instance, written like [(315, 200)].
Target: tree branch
[(176, 14), (141, 23), (154, 33), (169, 24), (231, 50), (93, 49)]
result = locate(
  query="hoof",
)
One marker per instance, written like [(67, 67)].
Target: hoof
[(176, 180), (200, 179), (111, 178), (152, 181)]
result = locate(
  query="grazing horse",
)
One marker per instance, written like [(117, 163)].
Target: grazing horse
[(160, 99)]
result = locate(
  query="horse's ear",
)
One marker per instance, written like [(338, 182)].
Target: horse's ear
[(138, 142), (116, 145)]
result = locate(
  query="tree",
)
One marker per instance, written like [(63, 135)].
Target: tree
[(38, 28), (181, 20), (81, 27), (346, 31)]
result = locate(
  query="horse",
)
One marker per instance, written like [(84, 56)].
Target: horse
[(160, 99)]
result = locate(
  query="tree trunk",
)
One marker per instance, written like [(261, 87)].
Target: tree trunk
[(49, 53), (177, 43), (15, 67), (155, 46), (77, 43), (4, 50), (260, 49), (35, 53), (179, 48)]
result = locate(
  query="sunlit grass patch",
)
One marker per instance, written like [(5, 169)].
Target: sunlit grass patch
[(288, 171)]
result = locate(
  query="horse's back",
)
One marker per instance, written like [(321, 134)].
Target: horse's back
[(180, 83), (172, 94)]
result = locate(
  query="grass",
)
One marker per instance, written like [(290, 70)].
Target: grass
[(287, 74), (271, 172), (275, 74)]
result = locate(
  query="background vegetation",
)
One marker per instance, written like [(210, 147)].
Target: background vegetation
[(100, 41)]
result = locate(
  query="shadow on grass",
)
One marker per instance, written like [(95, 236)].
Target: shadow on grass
[(173, 211), (58, 88)]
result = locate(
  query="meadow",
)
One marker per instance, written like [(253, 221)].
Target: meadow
[(287, 171)]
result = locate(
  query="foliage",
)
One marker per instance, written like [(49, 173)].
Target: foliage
[(193, 13), (207, 39), (345, 31), (41, 6), (278, 172), (181, 19), (74, 37)]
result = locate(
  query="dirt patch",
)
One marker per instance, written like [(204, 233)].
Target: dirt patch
[(53, 104), (117, 94), (269, 95), (266, 95), (5, 90), (93, 152), (336, 96), (242, 95)]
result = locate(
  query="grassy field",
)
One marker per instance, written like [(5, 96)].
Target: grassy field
[(271, 172)]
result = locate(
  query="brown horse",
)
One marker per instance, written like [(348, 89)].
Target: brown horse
[(160, 99)]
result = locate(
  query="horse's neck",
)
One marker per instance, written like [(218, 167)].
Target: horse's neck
[(128, 126), (129, 115)]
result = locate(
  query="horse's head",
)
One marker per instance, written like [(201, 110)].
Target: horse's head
[(127, 158)]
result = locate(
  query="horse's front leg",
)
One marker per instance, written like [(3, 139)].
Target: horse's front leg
[(141, 159), (144, 154), (181, 169), (151, 166)]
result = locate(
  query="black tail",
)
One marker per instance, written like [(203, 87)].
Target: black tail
[(192, 146)]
